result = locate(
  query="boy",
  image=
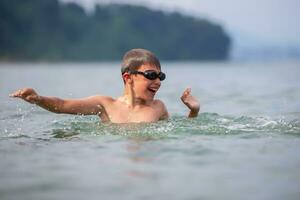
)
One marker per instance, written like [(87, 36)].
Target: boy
[(142, 76)]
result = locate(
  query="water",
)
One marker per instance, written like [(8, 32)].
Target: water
[(244, 145)]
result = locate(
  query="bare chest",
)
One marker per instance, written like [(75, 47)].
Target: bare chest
[(123, 115)]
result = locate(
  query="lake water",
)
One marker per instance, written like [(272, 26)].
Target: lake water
[(244, 145)]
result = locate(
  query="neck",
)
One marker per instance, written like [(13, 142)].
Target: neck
[(129, 97)]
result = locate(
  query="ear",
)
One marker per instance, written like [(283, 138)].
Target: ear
[(127, 78)]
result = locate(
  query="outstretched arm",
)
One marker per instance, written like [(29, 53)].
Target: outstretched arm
[(86, 106), (191, 102)]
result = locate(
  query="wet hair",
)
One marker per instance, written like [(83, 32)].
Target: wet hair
[(135, 58)]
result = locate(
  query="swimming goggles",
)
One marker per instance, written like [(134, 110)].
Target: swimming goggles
[(150, 74)]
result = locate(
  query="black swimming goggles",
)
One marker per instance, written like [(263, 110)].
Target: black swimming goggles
[(150, 74)]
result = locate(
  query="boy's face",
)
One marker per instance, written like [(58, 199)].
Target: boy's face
[(145, 88)]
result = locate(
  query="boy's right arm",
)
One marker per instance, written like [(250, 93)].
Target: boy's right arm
[(86, 106)]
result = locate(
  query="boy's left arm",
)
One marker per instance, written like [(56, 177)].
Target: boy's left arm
[(191, 102)]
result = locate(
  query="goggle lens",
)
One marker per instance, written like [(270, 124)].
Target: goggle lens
[(152, 75)]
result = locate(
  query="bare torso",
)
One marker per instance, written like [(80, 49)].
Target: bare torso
[(117, 111)]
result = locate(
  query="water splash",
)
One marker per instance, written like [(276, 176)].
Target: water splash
[(205, 124), (67, 129), (212, 123)]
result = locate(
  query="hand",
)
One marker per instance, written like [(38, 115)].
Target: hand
[(27, 94), (191, 102)]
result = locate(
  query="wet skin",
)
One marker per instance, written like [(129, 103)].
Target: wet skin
[(137, 104)]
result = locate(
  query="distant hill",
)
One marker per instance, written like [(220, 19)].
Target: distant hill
[(49, 30)]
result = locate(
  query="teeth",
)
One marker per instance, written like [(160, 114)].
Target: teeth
[(152, 90)]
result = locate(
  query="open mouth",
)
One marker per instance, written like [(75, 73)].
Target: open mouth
[(153, 90)]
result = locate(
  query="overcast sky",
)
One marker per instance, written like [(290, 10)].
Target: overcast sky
[(271, 20)]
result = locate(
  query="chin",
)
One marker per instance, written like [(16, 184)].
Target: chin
[(151, 98), (148, 97)]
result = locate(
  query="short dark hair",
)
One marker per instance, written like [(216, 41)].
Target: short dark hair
[(135, 58)]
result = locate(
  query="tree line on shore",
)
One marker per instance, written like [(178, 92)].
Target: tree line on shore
[(35, 30)]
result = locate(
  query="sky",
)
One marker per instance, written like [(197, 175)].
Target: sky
[(272, 21)]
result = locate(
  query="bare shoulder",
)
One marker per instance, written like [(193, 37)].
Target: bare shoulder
[(105, 101), (94, 100), (158, 103), (100, 98), (162, 108), (105, 98)]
